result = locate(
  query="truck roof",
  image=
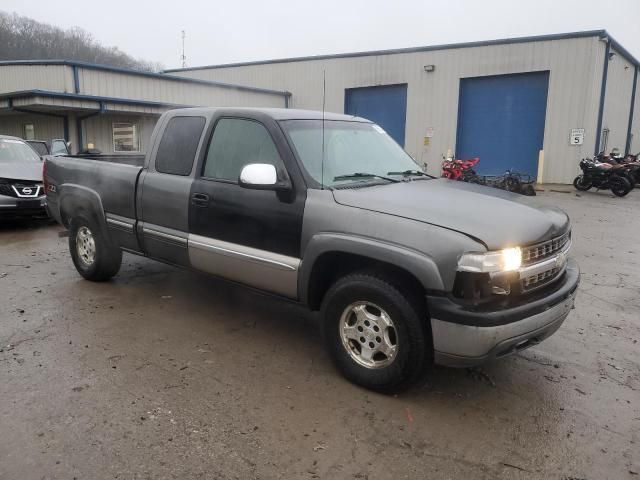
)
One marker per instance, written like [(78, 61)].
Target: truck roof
[(275, 113)]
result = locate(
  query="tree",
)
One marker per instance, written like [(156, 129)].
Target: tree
[(22, 38)]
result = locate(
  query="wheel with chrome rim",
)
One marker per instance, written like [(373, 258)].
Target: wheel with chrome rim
[(368, 335), (376, 332), (93, 254), (86, 246)]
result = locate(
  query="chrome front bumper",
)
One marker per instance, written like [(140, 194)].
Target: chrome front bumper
[(458, 344)]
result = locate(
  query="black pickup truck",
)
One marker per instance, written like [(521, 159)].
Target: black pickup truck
[(329, 211)]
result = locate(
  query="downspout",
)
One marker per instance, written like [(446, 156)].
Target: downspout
[(631, 111), (287, 97), (603, 89)]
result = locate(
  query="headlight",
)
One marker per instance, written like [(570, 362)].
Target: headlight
[(506, 260)]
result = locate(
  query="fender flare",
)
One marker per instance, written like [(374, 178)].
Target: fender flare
[(75, 198), (421, 266)]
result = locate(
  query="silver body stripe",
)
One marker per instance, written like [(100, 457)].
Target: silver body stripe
[(163, 235), (259, 268), (119, 223)]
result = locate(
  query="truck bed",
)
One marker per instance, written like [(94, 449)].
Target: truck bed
[(112, 177)]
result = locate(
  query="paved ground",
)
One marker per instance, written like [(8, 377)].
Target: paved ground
[(170, 374)]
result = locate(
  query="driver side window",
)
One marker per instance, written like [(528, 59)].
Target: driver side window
[(235, 143)]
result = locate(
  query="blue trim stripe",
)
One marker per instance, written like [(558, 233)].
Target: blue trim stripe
[(631, 111), (452, 46), (603, 91), (101, 100)]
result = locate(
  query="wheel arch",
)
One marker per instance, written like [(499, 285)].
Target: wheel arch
[(330, 256), (77, 200)]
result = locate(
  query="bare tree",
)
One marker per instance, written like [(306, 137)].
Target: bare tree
[(22, 38)]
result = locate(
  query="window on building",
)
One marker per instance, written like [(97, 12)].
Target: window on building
[(177, 149), (125, 137), (236, 143), (29, 131)]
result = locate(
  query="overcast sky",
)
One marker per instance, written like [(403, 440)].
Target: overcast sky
[(242, 30)]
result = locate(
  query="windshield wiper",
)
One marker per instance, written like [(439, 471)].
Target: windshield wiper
[(407, 173), (364, 175)]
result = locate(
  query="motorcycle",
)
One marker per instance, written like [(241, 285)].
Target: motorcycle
[(459, 169), (602, 176), (624, 167)]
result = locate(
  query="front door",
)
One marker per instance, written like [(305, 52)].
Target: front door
[(245, 235)]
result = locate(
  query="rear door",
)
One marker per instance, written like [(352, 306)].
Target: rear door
[(244, 235), (166, 187)]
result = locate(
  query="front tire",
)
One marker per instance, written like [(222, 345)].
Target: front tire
[(377, 336), (93, 255), (582, 183)]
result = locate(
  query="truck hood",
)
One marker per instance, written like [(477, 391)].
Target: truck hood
[(496, 218), (21, 171)]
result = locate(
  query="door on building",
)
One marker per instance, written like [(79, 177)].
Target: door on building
[(385, 105), (501, 120)]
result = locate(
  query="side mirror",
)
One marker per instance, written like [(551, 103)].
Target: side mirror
[(262, 176)]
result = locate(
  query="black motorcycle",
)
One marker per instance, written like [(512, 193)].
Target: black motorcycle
[(601, 176)]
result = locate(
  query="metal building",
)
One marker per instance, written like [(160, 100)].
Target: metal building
[(534, 104), (111, 109)]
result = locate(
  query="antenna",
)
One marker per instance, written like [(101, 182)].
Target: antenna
[(183, 57), (324, 97)]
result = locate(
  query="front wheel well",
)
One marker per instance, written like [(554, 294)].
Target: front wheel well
[(331, 266)]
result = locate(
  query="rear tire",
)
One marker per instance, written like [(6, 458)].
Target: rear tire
[(582, 183), (95, 258), (377, 336), (619, 186)]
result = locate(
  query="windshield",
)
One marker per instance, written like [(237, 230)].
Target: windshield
[(39, 147), (12, 151), (350, 148)]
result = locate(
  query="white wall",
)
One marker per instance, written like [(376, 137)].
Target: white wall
[(574, 90), (46, 128)]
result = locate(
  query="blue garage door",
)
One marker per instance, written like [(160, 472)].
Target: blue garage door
[(501, 120), (385, 105)]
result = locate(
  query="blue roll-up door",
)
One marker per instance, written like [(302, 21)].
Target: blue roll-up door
[(501, 120), (385, 105)]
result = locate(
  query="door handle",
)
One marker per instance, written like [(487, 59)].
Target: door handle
[(200, 200)]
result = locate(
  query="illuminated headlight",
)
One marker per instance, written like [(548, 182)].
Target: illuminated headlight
[(506, 260)]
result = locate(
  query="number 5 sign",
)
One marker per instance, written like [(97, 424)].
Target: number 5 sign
[(577, 136)]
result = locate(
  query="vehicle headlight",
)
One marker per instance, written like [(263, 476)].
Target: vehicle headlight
[(506, 260)]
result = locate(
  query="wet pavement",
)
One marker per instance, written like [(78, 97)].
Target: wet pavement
[(163, 373)]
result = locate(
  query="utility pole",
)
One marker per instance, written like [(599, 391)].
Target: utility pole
[(183, 57)]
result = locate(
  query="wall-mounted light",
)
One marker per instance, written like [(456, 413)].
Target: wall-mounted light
[(611, 55), (429, 68)]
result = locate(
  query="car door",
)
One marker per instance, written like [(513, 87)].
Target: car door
[(246, 235), (166, 186)]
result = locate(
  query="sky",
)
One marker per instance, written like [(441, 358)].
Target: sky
[(240, 30)]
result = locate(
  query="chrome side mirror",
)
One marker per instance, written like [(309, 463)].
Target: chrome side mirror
[(262, 176)]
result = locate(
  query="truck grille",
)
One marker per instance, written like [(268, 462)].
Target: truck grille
[(544, 262), (540, 251), (540, 279)]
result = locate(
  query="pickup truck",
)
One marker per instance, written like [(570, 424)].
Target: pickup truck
[(327, 210)]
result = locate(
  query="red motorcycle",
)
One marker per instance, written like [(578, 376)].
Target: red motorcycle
[(459, 169)]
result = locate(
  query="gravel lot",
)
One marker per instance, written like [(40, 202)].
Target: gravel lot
[(164, 373)]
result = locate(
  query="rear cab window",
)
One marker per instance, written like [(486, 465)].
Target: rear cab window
[(177, 149)]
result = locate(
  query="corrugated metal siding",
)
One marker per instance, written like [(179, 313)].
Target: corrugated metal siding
[(575, 67), (15, 78), (45, 128), (119, 85), (618, 101)]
